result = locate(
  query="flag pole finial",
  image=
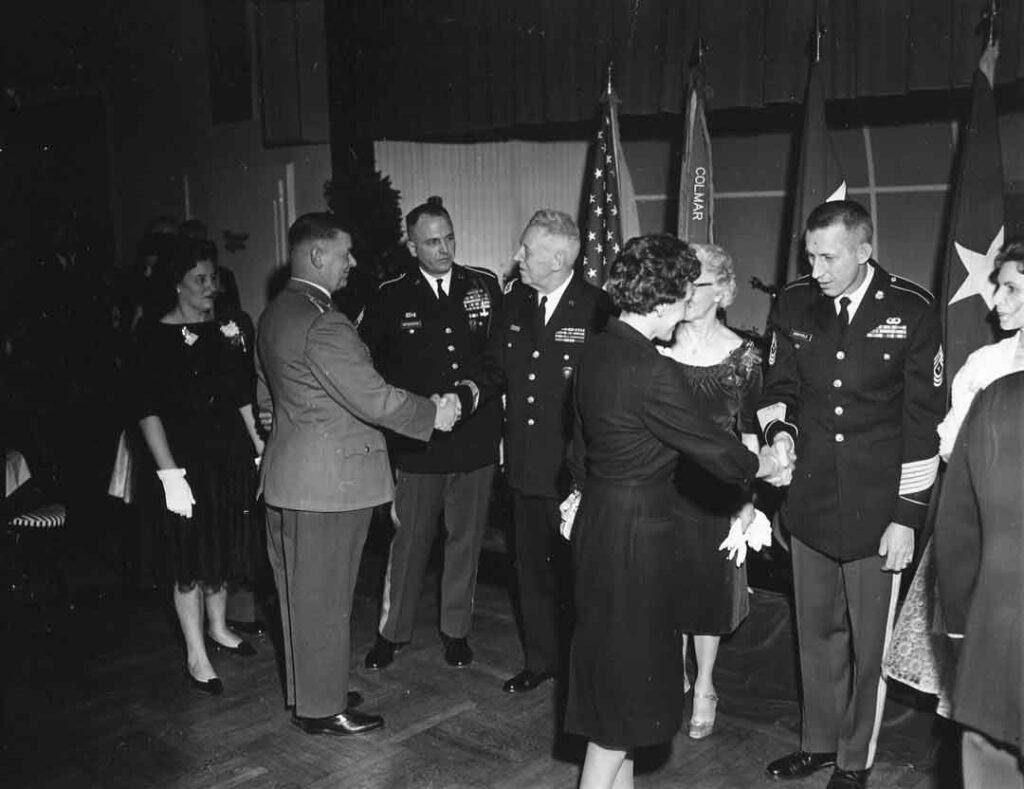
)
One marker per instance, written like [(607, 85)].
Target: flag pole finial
[(608, 74), (702, 48), (989, 16), (819, 33)]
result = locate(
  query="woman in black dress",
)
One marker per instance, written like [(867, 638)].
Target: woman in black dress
[(724, 371), (635, 414), (194, 382)]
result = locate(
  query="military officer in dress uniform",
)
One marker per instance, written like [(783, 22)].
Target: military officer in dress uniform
[(853, 392), (426, 328), (549, 314)]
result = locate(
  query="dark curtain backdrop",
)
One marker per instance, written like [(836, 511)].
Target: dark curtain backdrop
[(450, 69)]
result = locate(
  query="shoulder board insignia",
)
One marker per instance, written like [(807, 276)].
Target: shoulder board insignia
[(482, 270), (391, 281), (909, 286), (798, 283)]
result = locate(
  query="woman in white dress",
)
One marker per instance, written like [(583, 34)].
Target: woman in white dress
[(917, 657)]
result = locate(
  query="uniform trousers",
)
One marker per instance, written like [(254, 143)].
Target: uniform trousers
[(987, 763), (464, 497), (543, 567), (315, 558), (844, 619)]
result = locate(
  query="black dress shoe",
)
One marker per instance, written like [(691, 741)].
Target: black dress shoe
[(210, 687), (526, 680), (255, 628), (457, 652), (242, 649), (848, 779), (383, 653), (347, 722), (800, 764)]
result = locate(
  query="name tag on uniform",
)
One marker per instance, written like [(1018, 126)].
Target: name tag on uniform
[(513, 327), (412, 323), (571, 334), (802, 335)]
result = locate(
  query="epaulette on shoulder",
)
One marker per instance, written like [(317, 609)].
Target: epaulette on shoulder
[(391, 281), (482, 270), (803, 282), (909, 286)]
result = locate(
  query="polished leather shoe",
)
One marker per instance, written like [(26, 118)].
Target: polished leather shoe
[(526, 680), (457, 652), (800, 764), (242, 649), (255, 628), (382, 655), (347, 722), (848, 779), (209, 687)]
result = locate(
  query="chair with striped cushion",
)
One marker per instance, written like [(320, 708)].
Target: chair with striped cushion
[(37, 534)]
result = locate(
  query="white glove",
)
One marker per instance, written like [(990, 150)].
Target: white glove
[(567, 509), (735, 543), (177, 493), (759, 533)]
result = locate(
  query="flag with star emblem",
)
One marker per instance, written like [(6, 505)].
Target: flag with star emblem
[(610, 213), (976, 231), (695, 184), (820, 177)]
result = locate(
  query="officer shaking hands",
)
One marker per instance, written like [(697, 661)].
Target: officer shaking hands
[(428, 326), (853, 393)]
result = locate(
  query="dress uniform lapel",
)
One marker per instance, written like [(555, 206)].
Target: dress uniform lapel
[(873, 309), (564, 311), (826, 319)]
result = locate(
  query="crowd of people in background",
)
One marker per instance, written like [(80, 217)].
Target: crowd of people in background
[(637, 398)]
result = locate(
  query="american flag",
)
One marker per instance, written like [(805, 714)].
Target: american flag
[(603, 223)]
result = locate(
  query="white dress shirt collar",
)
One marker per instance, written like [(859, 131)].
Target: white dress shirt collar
[(857, 296), (554, 297), (446, 280)]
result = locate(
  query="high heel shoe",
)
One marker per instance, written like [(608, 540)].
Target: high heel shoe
[(701, 726), (209, 687), (242, 649)]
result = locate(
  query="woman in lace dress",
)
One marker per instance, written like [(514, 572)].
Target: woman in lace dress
[(724, 371), (917, 656)]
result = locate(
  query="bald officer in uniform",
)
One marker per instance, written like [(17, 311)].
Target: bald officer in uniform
[(325, 467), (549, 314), (425, 329), (853, 392)]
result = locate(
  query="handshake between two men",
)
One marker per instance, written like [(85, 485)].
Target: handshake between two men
[(449, 411)]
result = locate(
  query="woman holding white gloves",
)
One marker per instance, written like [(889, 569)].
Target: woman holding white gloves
[(193, 379), (724, 371)]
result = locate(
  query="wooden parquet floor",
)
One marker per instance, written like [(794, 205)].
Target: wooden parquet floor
[(96, 697)]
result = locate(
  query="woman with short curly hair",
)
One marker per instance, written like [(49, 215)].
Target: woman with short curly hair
[(635, 415)]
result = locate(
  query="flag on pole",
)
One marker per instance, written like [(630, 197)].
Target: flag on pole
[(976, 231), (695, 183), (610, 213), (820, 177)]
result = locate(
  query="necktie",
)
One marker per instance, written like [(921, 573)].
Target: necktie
[(441, 295), (844, 314), (541, 312)]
